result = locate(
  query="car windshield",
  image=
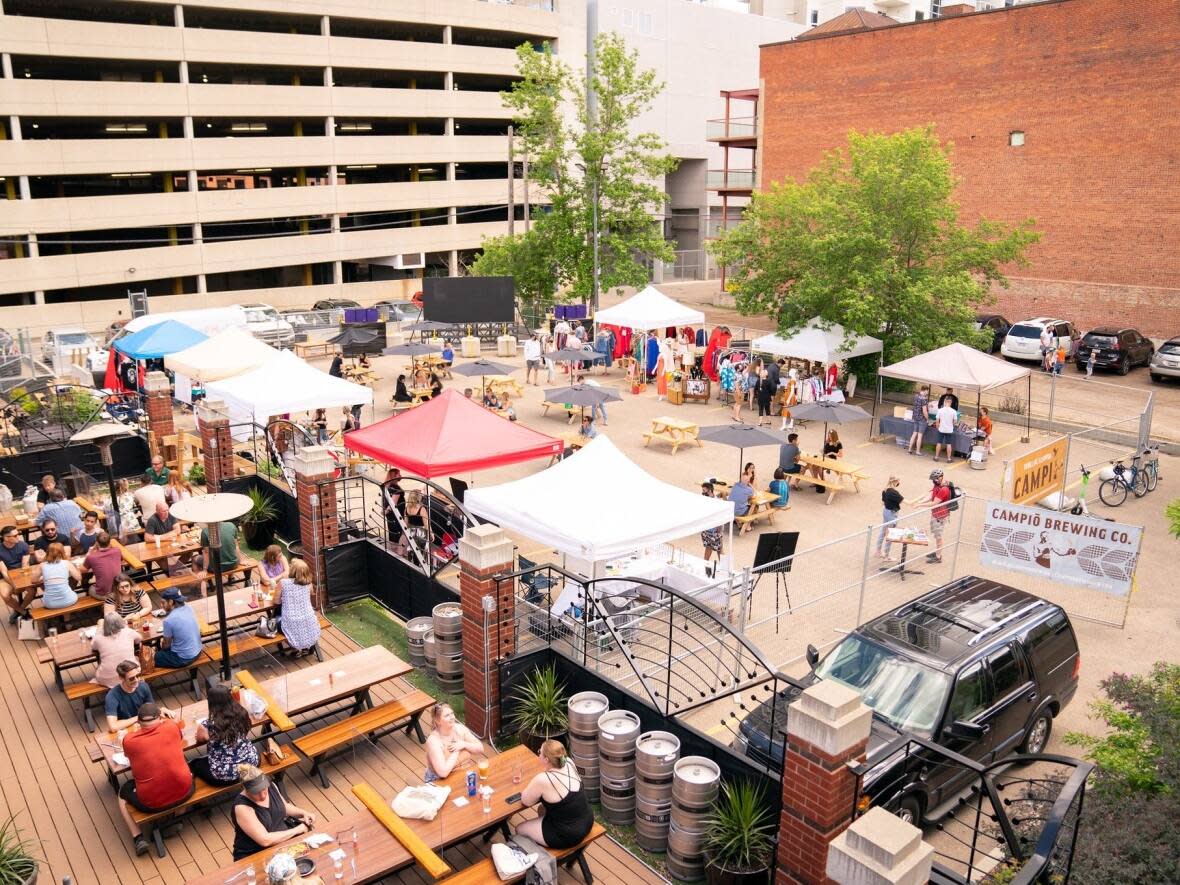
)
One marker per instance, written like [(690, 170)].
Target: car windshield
[(73, 338), (903, 692), (1022, 331), (261, 315), (1170, 347), (1100, 340)]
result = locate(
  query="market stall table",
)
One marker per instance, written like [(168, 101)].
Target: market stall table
[(905, 537), (673, 430), (349, 676)]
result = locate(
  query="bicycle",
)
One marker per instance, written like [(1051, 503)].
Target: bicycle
[(1113, 491), (1151, 467)]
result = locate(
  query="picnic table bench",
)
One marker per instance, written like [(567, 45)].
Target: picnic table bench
[(674, 430), (313, 349), (88, 692), (484, 872), (842, 470), (761, 505)]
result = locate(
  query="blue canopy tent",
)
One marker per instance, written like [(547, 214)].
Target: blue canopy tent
[(159, 340)]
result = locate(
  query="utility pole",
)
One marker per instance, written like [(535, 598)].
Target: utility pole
[(511, 184)]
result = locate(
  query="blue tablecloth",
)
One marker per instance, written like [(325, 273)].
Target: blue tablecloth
[(899, 427)]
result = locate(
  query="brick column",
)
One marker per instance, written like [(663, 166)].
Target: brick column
[(880, 849), (827, 727), (159, 410), (485, 551), (217, 448), (319, 526)]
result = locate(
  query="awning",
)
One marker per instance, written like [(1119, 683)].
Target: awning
[(449, 435), (209, 320), (159, 339), (814, 342), (957, 366), (649, 309), (627, 509), (228, 353)]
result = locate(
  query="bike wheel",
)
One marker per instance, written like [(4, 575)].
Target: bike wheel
[(1113, 492), (1153, 477), (1140, 484)]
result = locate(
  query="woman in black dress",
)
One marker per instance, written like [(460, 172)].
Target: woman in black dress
[(262, 817), (401, 394), (566, 817)]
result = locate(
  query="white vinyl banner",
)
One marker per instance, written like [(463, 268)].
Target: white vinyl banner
[(1079, 550)]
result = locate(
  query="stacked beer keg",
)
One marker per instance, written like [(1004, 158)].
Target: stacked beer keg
[(695, 782), (655, 756), (585, 709), (617, 733), (416, 630), (430, 651), (448, 640)]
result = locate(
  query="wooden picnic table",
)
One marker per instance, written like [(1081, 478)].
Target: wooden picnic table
[(351, 675), (69, 649), (313, 349), (420, 395), (761, 505), (24, 523), (841, 469), (237, 605), (380, 853), (23, 578), (148, 551), (674, 430), (500, 383)]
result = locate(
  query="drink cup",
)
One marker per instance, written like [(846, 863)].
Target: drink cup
[(517, 774), (487, 800), (483, 766)]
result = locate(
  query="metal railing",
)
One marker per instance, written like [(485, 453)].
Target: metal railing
[(731, 127), (724, 179)]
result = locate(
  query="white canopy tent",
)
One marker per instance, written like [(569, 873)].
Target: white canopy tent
[(649, 309), (209, 320), (814, 342), (595, 528), (284, 384), (230, 352)]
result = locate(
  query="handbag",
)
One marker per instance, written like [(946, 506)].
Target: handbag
[(510, 860), (147, 659), (29, 630), (268, 627), (272, 753)]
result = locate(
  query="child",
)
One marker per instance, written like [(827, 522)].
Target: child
[(1090, 362), (1059, 366), (984, 423), (778, 486), (506, 408)]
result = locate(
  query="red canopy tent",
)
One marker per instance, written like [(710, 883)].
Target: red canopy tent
[(450, 434)]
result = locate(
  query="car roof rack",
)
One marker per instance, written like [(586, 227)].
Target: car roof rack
[(948, 615), (1016, 615)]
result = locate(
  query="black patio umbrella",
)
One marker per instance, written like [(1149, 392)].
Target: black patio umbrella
[(353, 341), (412, 350), (481, 368), (582, 395), (574, 355), (741, 436), (830, 413)]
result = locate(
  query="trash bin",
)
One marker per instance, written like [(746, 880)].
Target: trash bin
[(978, 457)]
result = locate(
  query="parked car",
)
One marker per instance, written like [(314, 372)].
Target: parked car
[(977, 667), (1114, 348), (998, 325), (1023, 341), (400, 311), (264, 323), (334, 304), (303, 321), (1165, 362)]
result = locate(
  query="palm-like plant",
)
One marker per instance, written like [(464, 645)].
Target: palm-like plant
[(738, 835), (262, 507), (17, 864), (541, 704)]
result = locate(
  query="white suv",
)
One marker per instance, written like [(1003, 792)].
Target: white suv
[(265, 324), (1023, 341)]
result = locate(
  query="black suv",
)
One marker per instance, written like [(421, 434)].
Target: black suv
[(1114, 348), (997, 325), (978, 667)]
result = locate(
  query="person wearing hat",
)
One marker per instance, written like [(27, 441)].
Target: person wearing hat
[(160, 778), (940, 513), (181, 642), (260, 814)]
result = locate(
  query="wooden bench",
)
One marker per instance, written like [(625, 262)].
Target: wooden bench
[(163, 582), (252, 642), (317, 745), (86, 692), (546, 406), (484, 872), (832, 486), (42, 615), (674, 431), (148, 820)]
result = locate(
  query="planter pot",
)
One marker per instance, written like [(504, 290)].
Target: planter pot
[(534, 741), (259, 535), (717, 875)]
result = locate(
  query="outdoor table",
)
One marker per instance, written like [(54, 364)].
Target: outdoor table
[(905, 537), (351, 675), (22, 578), (761, 504), (674, 430), (23, 522), (67, 650), (148, 552), (500, 383), (420, 394), (838, 466), (902, 429), (237, 606), (377, 852), (313, 349)]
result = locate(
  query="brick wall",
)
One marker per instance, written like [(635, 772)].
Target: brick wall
[(1091, 83)]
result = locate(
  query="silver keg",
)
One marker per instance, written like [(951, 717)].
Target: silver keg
[(584, 710), (695, 783), (416, 630), (655, 758)]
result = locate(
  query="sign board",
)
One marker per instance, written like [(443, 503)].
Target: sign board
[(1078, 550), (1038, 474)]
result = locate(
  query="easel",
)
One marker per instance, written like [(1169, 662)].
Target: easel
[(776, 550)]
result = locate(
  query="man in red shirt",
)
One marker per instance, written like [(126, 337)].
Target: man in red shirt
[(105, 562), (160, 773), (940, 513)]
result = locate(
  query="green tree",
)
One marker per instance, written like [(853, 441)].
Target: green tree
[(1172, 511), (586, 162), (872, 240)]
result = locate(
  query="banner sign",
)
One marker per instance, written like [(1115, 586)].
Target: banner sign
[(1038, 474), (1078, 550)]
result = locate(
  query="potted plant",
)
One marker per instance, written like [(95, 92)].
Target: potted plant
[(17, 864), (258, 523), (540, 712), (738, 837), (196, 474)]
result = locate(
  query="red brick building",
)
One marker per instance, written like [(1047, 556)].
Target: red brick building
[(1091, 88)]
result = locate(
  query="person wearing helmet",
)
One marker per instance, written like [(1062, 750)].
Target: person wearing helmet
[(940, 513)]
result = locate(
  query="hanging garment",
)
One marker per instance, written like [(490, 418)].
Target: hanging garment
[(653, 354), (833, 375), (686, 335), (662, 368), (701, 337), (711, 352), (670, 332)]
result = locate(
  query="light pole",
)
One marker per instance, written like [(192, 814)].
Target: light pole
[(210, 511), (593, 235), (103, 435)]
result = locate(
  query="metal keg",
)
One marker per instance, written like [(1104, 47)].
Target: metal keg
[(617, 731), (416, 630), (448, 629), (430, 652), (685, 860), (655, 757), (450, 670), (618, 799), (584, 710), (695, 782)]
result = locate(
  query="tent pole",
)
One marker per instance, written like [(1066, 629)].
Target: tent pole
[(1028, 412), (876, 399)]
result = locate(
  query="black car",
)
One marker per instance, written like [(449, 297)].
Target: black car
[(1114, 348), (999, 327), (978, 667), (334, 304)]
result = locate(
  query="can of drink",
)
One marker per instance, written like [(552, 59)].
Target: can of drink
[(471, 782)]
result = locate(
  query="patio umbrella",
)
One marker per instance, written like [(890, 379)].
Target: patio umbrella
[(574, 355), (481, 368), (353, 341), (427, 326), (412, 350), (830, 413), (582, 395), (741, 436)]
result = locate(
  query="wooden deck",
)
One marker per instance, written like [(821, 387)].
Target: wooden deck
[(63, 800)]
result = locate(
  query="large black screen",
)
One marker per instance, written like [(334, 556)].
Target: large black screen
[(469, 299)]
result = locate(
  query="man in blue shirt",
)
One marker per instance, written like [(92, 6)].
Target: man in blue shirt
[(740, 495), (124, 700), (65, 513), (14, 553), (181, 642)]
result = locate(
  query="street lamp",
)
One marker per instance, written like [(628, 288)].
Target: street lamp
[(103, 435), (210, 511)]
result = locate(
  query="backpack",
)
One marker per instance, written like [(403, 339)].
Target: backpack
[(953, 502)]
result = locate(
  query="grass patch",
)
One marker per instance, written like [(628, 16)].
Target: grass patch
[(625, 836), (368, 623)]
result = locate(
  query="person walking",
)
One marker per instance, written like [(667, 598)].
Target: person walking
[(920, 413), (1090, 361), (940, 513)]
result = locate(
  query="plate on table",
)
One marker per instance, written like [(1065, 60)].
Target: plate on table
[(305, 866)]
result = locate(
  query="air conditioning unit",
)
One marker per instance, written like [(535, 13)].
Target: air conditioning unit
[(410, 261)]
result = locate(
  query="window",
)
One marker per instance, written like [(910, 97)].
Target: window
[(971, 697), (1016, 138), (814, 17), (1008, 672), (919, 15)]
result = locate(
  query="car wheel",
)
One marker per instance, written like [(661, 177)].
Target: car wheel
[(910, 810), (1037, 737), (1156, 378), (1125, 366)]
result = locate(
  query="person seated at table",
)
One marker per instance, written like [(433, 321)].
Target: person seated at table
[(157, 474), (984, 424), (260, 814), (298, 619), (833, 448), (89, 533), (450, 744), (48, 536), (362, 362), (587, 429), (14, 553), (271, 569), (566, 818), (126, 599), (64, 512), (160, 778), (56, 572), (114, 642), (788, 459), (231, 553), (400, 393), (490, 400), (448, 354), (128, 510), (227, 731), (506, 408), (421, 378), (779, 487), (123, 701), (741, 494), (48, 484), (105, 563), (436, 385), (161, 525), (748, 474), (148, 496), (178, 488), (180, 644), (281, 870)]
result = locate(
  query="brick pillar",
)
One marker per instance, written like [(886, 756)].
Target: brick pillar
[(319, 526), (159, 410), (217, 448), (485, 551), (827, 727), (882, 849)]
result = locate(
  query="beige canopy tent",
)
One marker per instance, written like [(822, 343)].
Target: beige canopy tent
[(228, 353)]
